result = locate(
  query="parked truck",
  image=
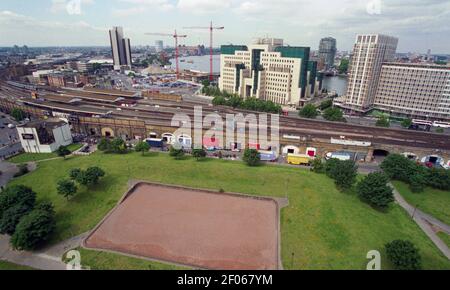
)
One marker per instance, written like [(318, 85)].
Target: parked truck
[(299, 159)]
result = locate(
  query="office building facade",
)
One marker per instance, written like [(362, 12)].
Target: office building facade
[(327, 52), (121, 48), (268, 70), (369, 53)]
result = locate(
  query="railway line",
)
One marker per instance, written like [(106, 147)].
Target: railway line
[(156, 112)]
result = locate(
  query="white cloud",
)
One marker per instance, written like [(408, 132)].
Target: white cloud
[(136, 7), (72, 7), (204, 6)]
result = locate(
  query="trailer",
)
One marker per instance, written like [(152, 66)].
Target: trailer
[(299, 159), (155, 143), (269, 156)]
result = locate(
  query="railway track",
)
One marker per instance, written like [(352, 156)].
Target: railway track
[(163, 115)]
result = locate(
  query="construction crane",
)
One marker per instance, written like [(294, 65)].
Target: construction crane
[(211, 29), (176, 36)]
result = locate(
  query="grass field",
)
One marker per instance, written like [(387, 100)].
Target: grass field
[(97, 260), (322, 228), (11, 266), (432, 201), (28, 157)]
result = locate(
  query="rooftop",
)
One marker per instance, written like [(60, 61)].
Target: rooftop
[(111, 92), (46, 124)]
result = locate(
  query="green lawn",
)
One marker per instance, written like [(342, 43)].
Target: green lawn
[(324, 228), (432, 201), (445, 238), (29, 157), (4, 265), (96, 260)]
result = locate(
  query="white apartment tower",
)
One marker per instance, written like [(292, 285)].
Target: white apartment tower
[(268, 70), (121, 48), (369, 53)]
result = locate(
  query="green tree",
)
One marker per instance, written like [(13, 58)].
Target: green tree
[(93, 174), (326, 104), (374, 190), (142, 146), (333, 114), (34, 229), (309, 111), (317, 165), (118, 146), (199, 154), (343, 172), (75, 173), (104, 145), (14, 195), (251, 157), (403, 255), (18, 114), (406, 123), (63, 151), (398, 167), (11, 218), (66, 188), (343, 67), (383, 121)]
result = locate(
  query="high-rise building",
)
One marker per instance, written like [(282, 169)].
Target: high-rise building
[(327, 52), (369, 53), (414, 90), (121, 48), (269, 71), (159, 46)]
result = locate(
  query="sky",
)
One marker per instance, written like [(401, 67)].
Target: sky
[(419, 24)]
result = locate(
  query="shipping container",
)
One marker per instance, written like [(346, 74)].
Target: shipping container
[(298, 159)]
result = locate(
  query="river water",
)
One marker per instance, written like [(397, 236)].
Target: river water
[(201, 63)]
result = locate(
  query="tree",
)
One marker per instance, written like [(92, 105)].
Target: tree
[(143, 147), (118, 146), (333, 114), (178, 154), (383, 121), (66, 188), (374, 190), (326, 104), (251, 157), (398, 167), (18, 114), (199, 154), (403, 255), (406, 123), (343, 67), (75, 173), (34, 228), (317, 165), (11, 218), (14, 195), (93, 174), (343, 172), (104, 145), (63, 151), (309, 111)]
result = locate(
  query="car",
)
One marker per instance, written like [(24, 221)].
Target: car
[(11, 126)]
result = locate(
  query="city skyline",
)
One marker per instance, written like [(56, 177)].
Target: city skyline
[(418, 24)]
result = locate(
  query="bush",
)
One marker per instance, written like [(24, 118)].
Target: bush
[(251, 157), (309, 111), (34, 228), (317, 165), (18, 114), (383, 121), (178, 154), (199, 154), (398, 167), (104, 145), (439, 178), (403, 255), (374, 190), (406, 123), (23, 169), (142, 146), (63, 151), (326, 104)]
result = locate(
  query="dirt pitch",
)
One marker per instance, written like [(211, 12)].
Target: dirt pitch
[(192, 227)]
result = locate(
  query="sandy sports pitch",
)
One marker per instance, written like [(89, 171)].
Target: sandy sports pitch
[(192, 227)]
